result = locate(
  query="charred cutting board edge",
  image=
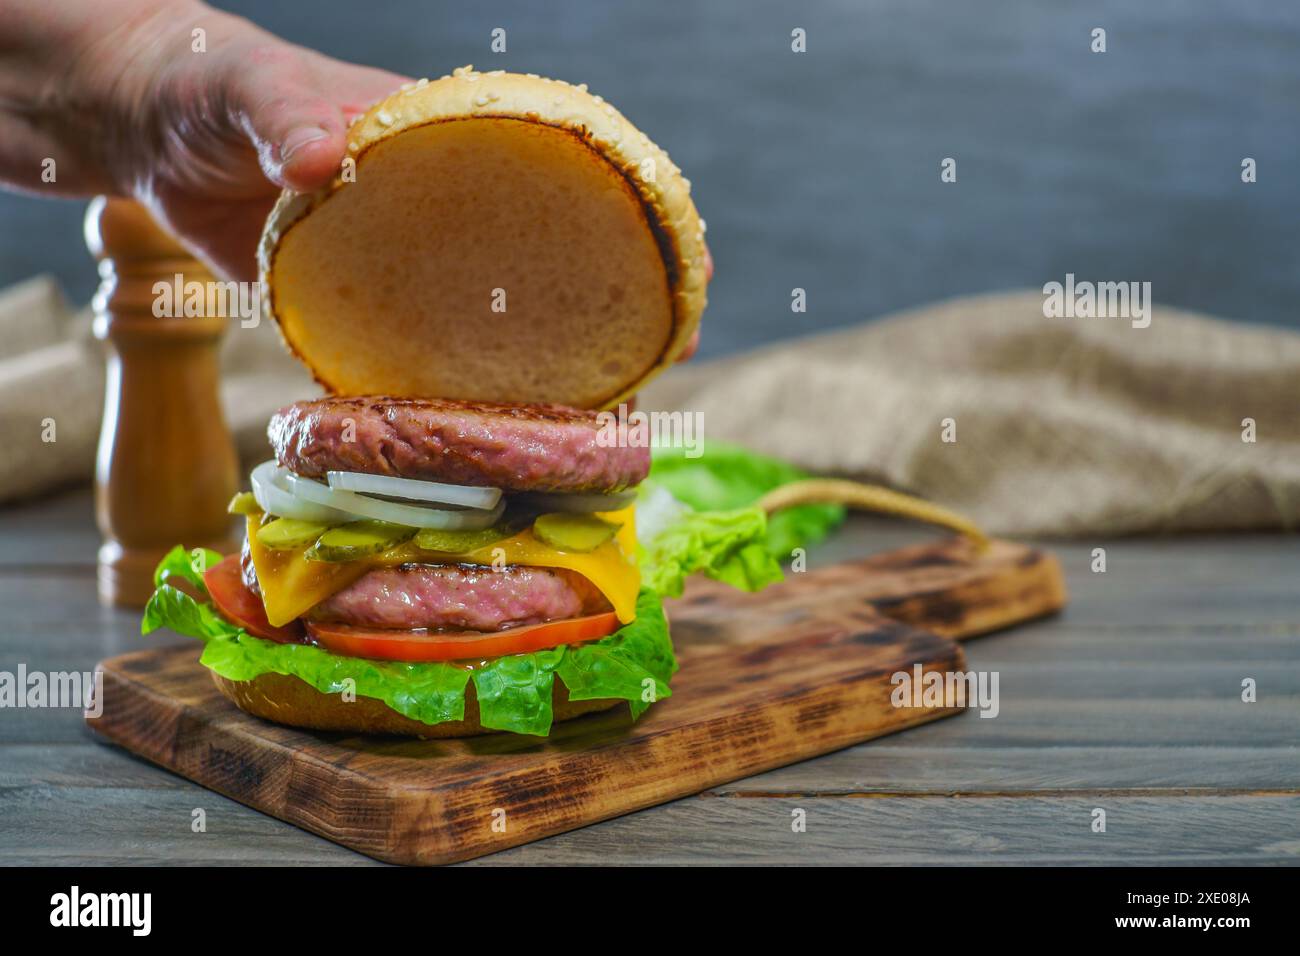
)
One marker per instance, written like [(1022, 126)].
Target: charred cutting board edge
[(780, 684)]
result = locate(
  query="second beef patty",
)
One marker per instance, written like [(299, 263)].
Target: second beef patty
[(462, 597), (454, 597)]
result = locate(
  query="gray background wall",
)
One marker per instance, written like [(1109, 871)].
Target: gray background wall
[(821, 170)]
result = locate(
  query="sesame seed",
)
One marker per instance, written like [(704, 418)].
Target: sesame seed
[(704, 227), (422, 82), (582, 87), (384, 117)]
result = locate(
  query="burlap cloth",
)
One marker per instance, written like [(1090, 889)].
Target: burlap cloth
[(1062, 426)]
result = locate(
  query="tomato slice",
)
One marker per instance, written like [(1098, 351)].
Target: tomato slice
[(425, 645), (241, 606)]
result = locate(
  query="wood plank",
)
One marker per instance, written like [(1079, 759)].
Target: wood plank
[(42, 814), (1070, 641), (849, 831), (1052, 722), (86, 764), (928, 831), (896, 764), (913, 764), (64, 524), (127, 826), (1190, 831)]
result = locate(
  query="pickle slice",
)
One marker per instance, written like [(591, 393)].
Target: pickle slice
[(284, 533), (462, 542), (574, 532), (358, 539), (243, 504)]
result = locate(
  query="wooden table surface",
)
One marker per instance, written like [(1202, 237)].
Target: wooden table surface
[(1129, 702)]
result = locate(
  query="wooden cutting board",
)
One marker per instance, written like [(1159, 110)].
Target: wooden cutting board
[(798, 670)]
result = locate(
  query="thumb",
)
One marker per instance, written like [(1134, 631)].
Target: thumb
[(296, 106)]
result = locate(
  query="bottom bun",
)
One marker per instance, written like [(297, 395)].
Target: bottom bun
[(288, 700)]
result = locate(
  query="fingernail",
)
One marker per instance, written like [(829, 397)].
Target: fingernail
[(299, 138)]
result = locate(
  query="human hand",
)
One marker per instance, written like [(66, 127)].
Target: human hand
[(127, 100), (204, 133)]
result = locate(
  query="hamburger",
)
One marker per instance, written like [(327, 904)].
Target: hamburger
[(447, 543)]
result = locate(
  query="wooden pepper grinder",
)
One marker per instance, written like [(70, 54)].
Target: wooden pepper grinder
[(166, 467)]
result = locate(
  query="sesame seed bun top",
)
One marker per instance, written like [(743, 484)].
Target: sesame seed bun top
[(499, 237)]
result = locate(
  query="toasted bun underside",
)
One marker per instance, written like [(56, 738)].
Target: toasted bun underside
[(506, 238), (477, 259), (482, 259), (288, 700)]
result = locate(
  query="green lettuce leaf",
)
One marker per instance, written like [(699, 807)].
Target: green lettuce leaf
[(729, 546), (430, 693), (728, 477), (186, 565), (514, 692), (172, 607), (634, 664)]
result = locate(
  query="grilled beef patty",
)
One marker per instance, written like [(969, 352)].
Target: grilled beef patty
[(453, 596), (460, 597), (517, 448)]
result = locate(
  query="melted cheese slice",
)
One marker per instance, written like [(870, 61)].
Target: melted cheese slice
[(291, 585)]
